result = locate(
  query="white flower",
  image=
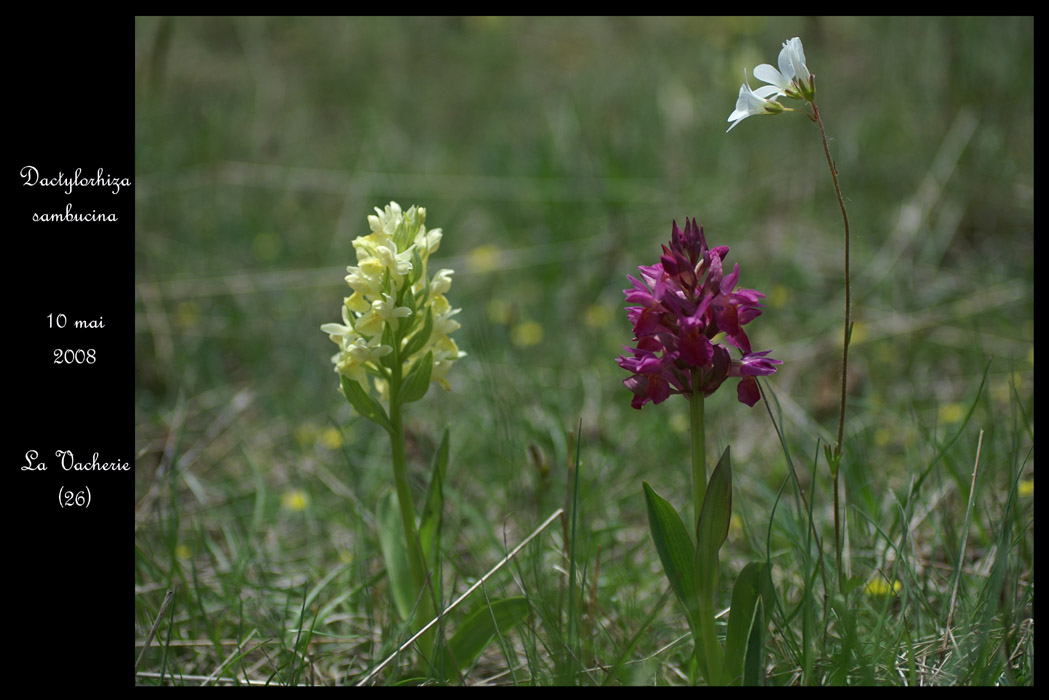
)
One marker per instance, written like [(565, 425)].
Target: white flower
[(441, 282), (354, 357), (796, 57), (338, 331), (427, 242), (399, 264), (793, 78), (382, 311), (387, 221), (445, 352), (753, 102), (366, 280), (354, 351)]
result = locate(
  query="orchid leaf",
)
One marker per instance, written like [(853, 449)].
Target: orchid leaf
[(676, 551), (476, 631), (364, 403), (752, 589), (417, 381), (712, 528), (395, 556), (754, 659), (419, 338), (430, 522)]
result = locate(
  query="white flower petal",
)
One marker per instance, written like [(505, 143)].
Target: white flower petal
[(785, 68), (768, 74), (795, 56), (752, 102), (766, 91), (336, 329)]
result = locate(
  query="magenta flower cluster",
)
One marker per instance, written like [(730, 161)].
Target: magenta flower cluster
[(678, 307)]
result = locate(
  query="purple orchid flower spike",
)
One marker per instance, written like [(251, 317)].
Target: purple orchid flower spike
[(677, 308)]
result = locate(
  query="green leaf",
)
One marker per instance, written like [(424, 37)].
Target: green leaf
[(478, 629), (754, 664), (417, 382), (752, 587), (675, 549), (852, 583), (833, 458), (417, 341), (430, 521), (395, 555), (417, 267), (712, 528), (364, 403), (389, 360)]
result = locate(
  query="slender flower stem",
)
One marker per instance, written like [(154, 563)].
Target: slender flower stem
[(848, 280), (845, 344), (404, 497), (699, 447), (707, 644), (416, 560)]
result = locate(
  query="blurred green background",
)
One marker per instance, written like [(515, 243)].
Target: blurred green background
[(554, 153)]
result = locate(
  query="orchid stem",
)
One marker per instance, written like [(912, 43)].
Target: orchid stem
[(707, 643), (416, 560), (836, 462), (699, 447)]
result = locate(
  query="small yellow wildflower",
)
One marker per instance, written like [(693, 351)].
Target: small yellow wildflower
[(883, 436), (859, 333), (526, 334), (880, 588), (1026, 487), (332, 438), (951, 413), (779, 296), (483, 259), (597, 315), (187, 314), (499, 311), (294, 500), (305, 435), (735, 524)]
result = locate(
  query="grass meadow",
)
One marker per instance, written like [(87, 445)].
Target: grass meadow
[(555, 153)]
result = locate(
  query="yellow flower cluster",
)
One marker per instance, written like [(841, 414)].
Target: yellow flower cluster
[(879, 587), (397, 314)]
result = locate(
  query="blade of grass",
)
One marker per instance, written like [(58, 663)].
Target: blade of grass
[(167, 644), (461, 598), (961, 549), (961, 429), (617, 665), (238, 653), (573, 625), (987, 669), (168, 597)]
